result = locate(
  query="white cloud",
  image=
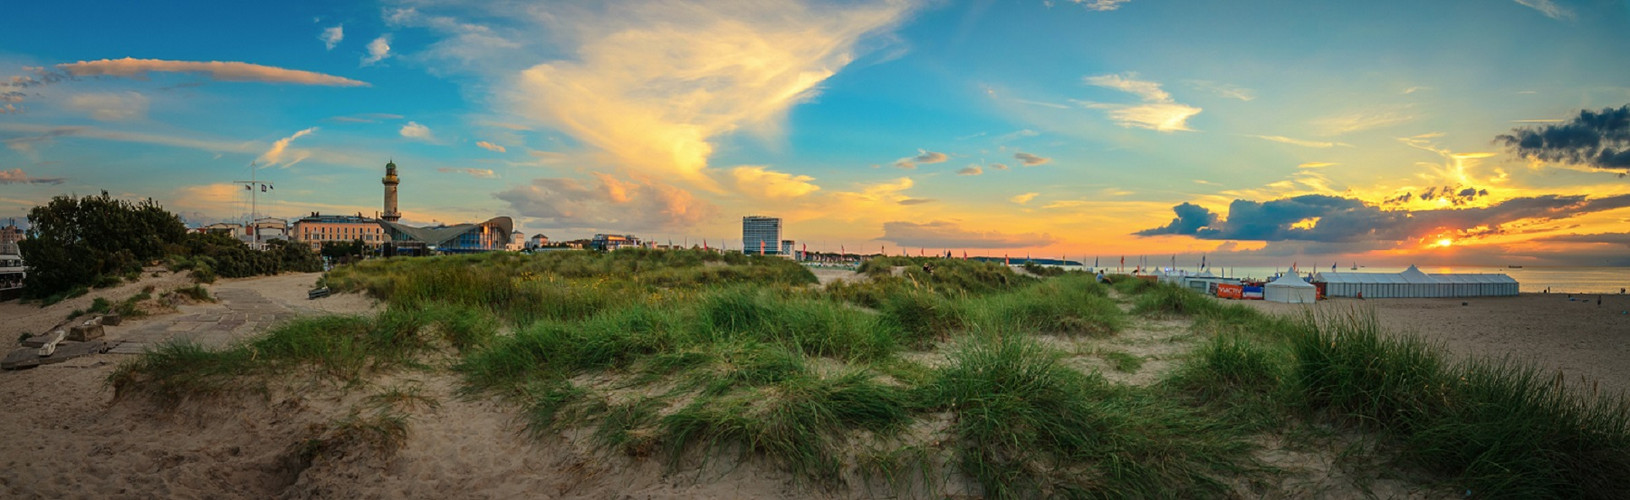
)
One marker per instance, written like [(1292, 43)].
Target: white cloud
[(378, 50), (331, 36), (1101, 5), (1359, 121), (111, 106), (1158, 112), (653, 83), (1300, 142), (1316, 164), (971, 170), (413, 130), (217, 70), (491, 147), (1224, 90), (1549, 8), (769, 184), (479, 173), (1024, 198), (998, 166), (613, 205), (275, 155)]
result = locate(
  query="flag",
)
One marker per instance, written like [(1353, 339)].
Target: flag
[(1005, 261), (1202, 262), (842, 250), (761, 247), (704, 244), (262, 188), (964, 255), (247, 188)]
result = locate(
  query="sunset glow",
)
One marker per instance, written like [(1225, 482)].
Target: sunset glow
[(902, 125)]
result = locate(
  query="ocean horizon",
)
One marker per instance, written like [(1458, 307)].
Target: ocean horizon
[(1530, 279)]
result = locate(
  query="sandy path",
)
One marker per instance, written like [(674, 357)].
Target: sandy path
[(1577, 337)]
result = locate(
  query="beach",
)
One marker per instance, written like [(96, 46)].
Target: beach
[(67, 436), (1557, 332)]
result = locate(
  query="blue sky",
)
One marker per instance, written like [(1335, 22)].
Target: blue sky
[(1254, 131)]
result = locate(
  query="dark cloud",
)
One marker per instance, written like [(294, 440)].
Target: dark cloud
[(611, 205), (1597, 139), (917, 201), (1030, 160), (1455, 195), (1322, 218), (1609, 238), (943, 234)]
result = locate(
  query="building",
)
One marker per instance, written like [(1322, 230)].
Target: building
[(269, 228), (12, 270), (517, 242), (538, 240), (226, 228), (390, 181), (1413, 283), (318, 229), (612, 242), (759, 234), (787, 248), (494, 234), (10, 234)]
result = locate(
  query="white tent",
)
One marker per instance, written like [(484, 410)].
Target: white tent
[(1290, 289), (1412, 283)]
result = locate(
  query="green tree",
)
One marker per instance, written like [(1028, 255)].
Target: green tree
[(72, 241)]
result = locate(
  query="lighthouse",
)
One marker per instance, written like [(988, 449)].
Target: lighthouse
[(390, 181)]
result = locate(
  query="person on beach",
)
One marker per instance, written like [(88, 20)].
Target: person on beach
[(1101, 278)]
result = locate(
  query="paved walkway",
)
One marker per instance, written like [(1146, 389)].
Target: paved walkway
[(240, 313)]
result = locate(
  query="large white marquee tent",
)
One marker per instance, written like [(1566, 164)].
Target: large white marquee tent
[(1412, 283), (1290, 289)]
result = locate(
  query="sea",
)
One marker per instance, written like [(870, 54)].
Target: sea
[(1530, 279)]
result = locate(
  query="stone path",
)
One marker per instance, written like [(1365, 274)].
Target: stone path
[(240, 313)]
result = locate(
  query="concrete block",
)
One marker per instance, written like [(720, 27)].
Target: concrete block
[(89, 331), (112, 319)]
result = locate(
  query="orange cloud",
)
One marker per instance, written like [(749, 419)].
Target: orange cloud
[(218, 70)]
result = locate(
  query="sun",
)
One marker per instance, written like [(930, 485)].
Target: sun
[(1443, 242)]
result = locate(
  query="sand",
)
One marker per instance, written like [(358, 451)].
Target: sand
[(1588, 344), (64, 436)]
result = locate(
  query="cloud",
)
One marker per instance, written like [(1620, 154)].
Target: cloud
[(16, 176), (1015, 135), (378, 50), (971, 170), (491, 147), (1158, 112), (611, 205), (1316, 164), (1024, 198), (274, 156), (1101, 5), (1224, 90), (413, 130), (768, 184), (1549, 8), (1599, 238), (1323, 218), (367, 118), (479, 173), (1300, 142), (1030, 160), (943, 234), (111, 106), (1450, 195), (331, 36), (998, 166), (916, 201), (1596, 139), (217, 70), (1361, 121), (653, 83), (924, 157)]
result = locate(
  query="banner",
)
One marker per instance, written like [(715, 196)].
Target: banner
[(1227, 291)]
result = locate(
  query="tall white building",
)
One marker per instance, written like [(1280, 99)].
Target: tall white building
[(760, 232)]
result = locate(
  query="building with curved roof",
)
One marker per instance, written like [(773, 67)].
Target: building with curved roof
[(494, 234)]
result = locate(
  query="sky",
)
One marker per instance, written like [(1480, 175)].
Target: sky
[(1486, 132)]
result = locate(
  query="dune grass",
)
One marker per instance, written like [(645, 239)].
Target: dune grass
[(685, 354)]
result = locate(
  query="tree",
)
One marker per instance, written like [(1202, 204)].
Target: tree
[(73, 241)]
